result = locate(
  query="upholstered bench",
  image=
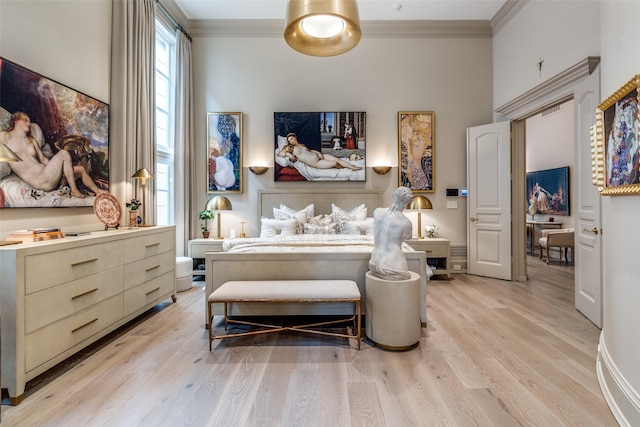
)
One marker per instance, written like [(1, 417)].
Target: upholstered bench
[(285, 291), (561, 238)]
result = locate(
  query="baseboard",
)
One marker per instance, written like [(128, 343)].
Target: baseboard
[(623, 400)]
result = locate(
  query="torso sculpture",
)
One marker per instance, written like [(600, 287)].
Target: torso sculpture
[(390, 229)]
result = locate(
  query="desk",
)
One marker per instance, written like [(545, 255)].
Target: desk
[(533, 232)]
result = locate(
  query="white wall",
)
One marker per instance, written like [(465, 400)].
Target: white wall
[(573, 30), (259, 76), (620, 340), (69, 42)]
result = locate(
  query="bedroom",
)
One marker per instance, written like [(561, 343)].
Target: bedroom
[(462, 101)]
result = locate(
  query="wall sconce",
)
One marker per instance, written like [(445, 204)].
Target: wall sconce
[(381, 170), (322, 28), (258, 170), (143, 175), (217, 204), (419, 203)]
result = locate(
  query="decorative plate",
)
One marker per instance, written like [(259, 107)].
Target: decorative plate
[(107, 209)]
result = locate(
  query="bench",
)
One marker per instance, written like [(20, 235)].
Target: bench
[(285, 291)]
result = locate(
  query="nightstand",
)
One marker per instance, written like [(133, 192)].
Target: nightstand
[(438, 253), (197, 248)]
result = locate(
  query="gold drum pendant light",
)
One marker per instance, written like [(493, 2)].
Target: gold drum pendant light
[(322, 27)]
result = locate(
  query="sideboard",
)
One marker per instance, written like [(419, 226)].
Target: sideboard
[(59, 296)]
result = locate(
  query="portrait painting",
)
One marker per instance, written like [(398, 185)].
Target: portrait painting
[(320, 146), (62, 137), (416, 148), (224, 152), (548, 192), (617, 140)]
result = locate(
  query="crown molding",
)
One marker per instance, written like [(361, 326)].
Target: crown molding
[(557, 89), (275, 28), (508, 10)]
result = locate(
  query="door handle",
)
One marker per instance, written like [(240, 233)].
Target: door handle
[(472, 219), (593, 230)]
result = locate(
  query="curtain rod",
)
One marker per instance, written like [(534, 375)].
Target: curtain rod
[(175, 23)]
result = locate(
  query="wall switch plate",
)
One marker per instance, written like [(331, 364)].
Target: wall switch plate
[(457, 267), (452, 205)]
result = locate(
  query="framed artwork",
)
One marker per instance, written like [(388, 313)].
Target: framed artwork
[(416, 150), (548, 192), (616, 153), (69, 132), (224, 152), (320, 146)]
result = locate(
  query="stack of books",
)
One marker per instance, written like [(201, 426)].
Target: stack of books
[(36, 235)]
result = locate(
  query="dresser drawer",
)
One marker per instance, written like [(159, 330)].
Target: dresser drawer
[(43, 271), (53, 304), (148, 268), (148, 292), (50, 341), (149, 245)]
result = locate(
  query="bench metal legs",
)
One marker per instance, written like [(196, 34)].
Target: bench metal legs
[(356, 319)]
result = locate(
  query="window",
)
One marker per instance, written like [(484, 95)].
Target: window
[(165, 119)]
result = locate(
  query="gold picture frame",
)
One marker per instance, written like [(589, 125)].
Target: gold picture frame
[(416, 150), (615, 144)]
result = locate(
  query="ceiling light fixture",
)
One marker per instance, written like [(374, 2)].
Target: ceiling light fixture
[(322, 27)]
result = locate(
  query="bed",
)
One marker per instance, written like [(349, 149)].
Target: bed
[(330, 258)]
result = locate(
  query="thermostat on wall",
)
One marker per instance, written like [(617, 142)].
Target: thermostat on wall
[(451, 192)]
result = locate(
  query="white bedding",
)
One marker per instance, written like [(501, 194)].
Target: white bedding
[(304, 243)]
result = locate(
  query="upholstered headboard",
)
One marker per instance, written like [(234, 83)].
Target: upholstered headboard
[(322, 200)]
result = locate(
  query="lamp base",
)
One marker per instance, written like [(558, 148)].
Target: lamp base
[(146, 225)]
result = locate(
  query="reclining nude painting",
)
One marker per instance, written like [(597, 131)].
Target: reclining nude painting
[(62, 137), (320, 146)]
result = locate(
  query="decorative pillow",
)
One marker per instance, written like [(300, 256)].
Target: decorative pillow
[(358, 227), (300, 216), (277, 227), (321, 220), (310, 228), (359, 213)]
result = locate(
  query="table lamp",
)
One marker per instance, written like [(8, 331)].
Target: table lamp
[(217, 204), (419, 203), (143, 175), (7, 155)]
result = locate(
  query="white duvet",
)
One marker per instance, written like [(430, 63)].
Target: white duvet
[(304, 243)]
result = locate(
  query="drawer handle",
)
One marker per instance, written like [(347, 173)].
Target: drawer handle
[(85, 325), (84, 293), (75, 264), (152, 244), (152, 268), (153, 290)]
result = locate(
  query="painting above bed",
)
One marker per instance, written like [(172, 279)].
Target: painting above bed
[(62, 136), (320, 146)]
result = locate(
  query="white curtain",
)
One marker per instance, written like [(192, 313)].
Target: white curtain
[(132, 134), (184, 173)]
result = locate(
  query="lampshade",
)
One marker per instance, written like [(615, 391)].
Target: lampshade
[(218, 203), (7, 155), (322, 27), (419, 203), (142, 174)]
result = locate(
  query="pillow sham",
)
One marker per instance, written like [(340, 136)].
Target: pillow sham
[(310, 228), (276, 227), (301, 216), (340, 216), (363, 227)]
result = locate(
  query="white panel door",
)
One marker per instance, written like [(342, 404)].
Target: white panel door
[(588, 251), (489, 200)]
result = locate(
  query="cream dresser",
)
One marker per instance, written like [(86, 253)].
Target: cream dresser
[(58, 296)]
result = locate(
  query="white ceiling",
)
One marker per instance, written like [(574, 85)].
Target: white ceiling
[(370, 10)]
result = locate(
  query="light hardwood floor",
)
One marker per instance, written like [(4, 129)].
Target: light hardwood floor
[(495, 353)]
